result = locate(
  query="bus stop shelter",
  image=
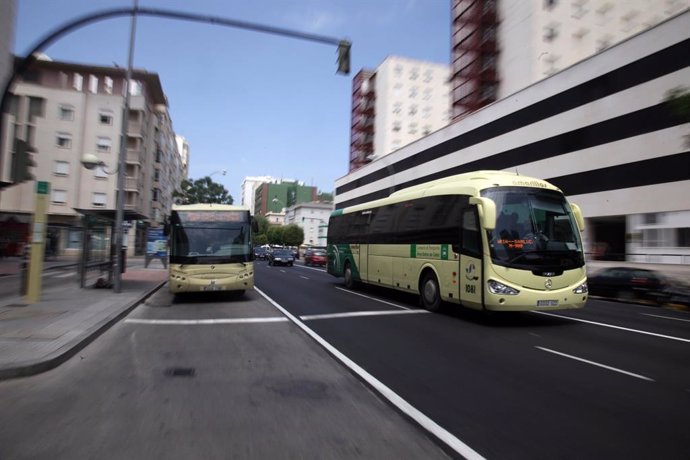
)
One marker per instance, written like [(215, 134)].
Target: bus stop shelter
[(97, 255)]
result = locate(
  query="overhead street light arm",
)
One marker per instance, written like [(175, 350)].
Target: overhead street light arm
[(25, 63)]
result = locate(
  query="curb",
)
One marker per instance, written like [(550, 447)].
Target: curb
[(55, 358)]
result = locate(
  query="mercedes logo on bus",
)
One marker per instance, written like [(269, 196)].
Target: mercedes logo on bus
[(548, 283)]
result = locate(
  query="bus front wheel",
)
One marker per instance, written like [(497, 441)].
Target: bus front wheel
[(430, 292), (349, 279)]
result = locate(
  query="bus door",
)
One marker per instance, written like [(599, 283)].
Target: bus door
[(471, 270)]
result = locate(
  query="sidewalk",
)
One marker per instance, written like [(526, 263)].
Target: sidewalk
[(40, 336)]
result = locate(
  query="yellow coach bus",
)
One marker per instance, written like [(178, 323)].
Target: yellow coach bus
[(488, 240), (210, 248)]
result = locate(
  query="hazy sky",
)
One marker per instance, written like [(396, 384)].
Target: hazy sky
[(248, 102)]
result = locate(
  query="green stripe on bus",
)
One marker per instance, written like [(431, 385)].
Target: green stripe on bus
[(444, 252), (413, 251)]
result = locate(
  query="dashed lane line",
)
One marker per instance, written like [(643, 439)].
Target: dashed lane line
[(594, 363)]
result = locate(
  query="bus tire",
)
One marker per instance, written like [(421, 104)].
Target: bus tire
[(430, 292), (347, 274)]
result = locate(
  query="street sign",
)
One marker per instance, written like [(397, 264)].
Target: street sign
[(42, 187)]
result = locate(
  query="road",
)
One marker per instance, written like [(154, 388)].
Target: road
[(609, 381), (227, 377)]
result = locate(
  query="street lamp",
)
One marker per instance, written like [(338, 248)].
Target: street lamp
[(222, 171)]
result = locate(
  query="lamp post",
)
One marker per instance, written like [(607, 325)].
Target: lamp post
[(222, 171), (120, 197)]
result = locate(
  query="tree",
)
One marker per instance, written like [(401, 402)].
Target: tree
[(202, 190), (293, 235), (324, 197), (274, 234), (678, 99)]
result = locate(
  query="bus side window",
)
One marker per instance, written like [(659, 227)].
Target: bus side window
[(471, 236)]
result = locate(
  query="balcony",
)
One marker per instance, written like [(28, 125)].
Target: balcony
[(132, 184), (133, 156)]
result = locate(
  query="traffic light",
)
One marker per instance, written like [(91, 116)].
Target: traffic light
[(344, 57), (22, 161)]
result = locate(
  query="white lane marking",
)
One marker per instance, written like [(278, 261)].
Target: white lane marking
[(409, 410), (187, 322), (360, 313), (666, 317), (64, 275), (680, 339), (323, 270), (304, 277), (372, 298), (594, 363)]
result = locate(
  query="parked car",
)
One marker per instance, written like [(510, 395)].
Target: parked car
[(315, 257), (281, 257), (260, 253), (628, 283)]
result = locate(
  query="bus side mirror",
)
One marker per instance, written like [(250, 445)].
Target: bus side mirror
[(577, 212), (487, 211)]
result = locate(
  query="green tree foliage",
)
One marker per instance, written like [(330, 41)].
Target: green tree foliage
[(678, 100), (293, 235), (202, 190), (260, 239), (324, 197), (262, 222), (274, 234)]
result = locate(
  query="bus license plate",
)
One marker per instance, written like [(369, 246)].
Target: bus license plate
[(212, 287), (547, 303)]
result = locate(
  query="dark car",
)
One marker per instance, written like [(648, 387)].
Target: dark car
[(628, 283), (281, 257), (315, 257), (260, 253)]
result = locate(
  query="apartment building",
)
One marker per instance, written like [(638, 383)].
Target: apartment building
[(67, 110), (313, 219), (399, 102), (502, 46), (248, 189), (273, 197)]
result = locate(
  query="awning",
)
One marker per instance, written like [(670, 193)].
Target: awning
[(110, 214)]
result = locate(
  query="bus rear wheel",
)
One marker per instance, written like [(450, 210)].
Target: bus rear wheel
[(430, 292)]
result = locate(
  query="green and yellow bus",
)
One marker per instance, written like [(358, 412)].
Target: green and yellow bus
[(487, 240), (210, 248)]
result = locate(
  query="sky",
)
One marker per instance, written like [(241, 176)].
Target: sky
[(250, 103)]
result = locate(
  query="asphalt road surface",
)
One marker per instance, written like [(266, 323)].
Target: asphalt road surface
[(609, 381), (285, 372)]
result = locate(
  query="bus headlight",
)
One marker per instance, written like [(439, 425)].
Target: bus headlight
[(581, 289), (501, 289)]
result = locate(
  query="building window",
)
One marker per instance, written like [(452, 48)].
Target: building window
[(396, 126), (412, 129), (61, 168), (397, 108), (155, 194), (103, 144), (105, 117), (99, 173), (37, 107), (58, 196), (78, 82), (108, 83), (398, 70), (66, 112), (683, 237), (93, 84), (64, 79), (99, 199), (413, 109), (413, 92), (157, 175), (64, 140), (414, 73), (428, 76), (135, 88), (427, 130), (550, 32), (550, 4)]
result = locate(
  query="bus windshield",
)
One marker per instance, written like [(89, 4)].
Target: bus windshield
[(212, 241), (535, 229)]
